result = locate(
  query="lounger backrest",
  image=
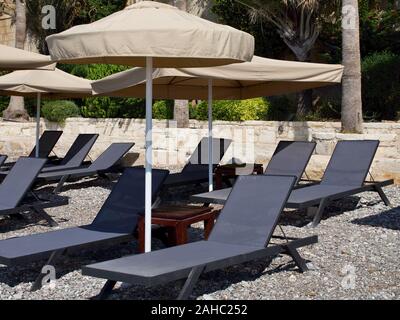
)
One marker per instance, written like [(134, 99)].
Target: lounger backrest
[(3, 158), (19, 180), (47, 142), (350, 163), (126, 203), (200, 155), (111, 156), (290, 158), (79, 150), (252, 210)]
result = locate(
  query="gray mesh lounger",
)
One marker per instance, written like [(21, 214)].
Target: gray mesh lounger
[(196, 170), (47, 142), (242, 233), (15, 189), (75, 155), (3, 159), (115, 223), (344, 176), (102, 164), (290, 158)]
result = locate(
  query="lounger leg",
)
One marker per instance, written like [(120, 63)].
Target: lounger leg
[(190, 282), (320, 211), (46, 216), (298, 260), (106, 290), (60, 184), (37, 285), (383, 196)]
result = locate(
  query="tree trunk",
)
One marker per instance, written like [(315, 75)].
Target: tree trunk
[(181, 113), (16, 108), (181, 110), (304, 103), (352, 120)]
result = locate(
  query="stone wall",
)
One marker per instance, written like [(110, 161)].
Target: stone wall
[(253, 140)]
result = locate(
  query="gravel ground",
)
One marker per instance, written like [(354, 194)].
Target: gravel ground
[(356, 257)]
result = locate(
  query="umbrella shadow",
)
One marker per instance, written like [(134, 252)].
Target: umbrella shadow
[(81, 184), (300, 218), (17, 275), (389, 219)]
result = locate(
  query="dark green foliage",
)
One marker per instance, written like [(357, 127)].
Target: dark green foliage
[(68, 14), (281, 108), (381, 86), (59, 110), (3, 103), (268, 42)]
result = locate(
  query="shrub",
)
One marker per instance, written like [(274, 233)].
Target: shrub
[(59, 110), (163, 109), (232, 110), (127, 108), (381, 86)]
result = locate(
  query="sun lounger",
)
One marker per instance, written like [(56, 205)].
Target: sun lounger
[(15, 194), (242, 233), (103, 164), (75, 155), (3, 159), (290, 158), (196, 170), (344, 176), (115, 223), (47, 142)]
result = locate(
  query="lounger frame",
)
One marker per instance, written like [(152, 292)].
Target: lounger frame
[(192, 275), (322, 203)]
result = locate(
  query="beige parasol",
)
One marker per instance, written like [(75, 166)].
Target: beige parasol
[(152, 34), (17, 59), (44, 83), (173, 38), (261, 77)]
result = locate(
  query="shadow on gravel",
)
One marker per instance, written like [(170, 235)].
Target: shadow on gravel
[(23, 221), (79, 184), (208, 283), (389, 219), (300, 218), (14, 276)]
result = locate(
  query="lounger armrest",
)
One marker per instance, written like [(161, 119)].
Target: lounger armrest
[(383, 183)]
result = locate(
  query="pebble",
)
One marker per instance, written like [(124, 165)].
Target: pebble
[(356, 257)]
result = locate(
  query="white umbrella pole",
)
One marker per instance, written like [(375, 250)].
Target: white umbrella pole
[(210, 136), (148, 152), (38, 102)]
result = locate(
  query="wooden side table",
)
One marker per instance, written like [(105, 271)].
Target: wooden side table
[(228, 171), (176, 220)]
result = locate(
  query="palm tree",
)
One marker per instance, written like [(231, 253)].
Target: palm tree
[(298, 22), (352, 119), (16, 108), (181, 109)]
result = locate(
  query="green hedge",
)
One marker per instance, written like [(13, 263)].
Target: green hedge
[(126, 108), (59, 110), (232, 110), (381, 86)]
